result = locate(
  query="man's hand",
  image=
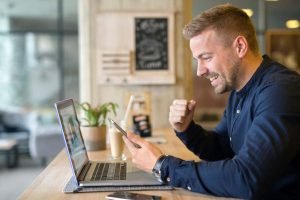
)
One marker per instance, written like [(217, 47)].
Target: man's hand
[(181, 114), (144, 157)]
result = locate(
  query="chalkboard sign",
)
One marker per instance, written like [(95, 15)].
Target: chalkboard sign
[(151, 43)]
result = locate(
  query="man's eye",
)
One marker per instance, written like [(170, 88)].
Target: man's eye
[(207, 58)]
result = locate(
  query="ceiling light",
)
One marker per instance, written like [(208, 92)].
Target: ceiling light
[(293, 23), (249, 12), (272, 0)]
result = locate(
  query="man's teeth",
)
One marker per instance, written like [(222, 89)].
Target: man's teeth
[(213, 78)]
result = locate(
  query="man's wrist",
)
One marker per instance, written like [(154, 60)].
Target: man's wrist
[(156, 171), (186, 129)]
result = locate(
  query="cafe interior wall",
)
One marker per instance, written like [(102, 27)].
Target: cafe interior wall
[(162, 95)]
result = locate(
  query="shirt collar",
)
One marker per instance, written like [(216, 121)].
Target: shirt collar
[(256, 76)]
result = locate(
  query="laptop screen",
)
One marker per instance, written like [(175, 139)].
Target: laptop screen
[(73, 139)]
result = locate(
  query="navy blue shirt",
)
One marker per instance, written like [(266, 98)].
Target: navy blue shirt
[(254, 152)]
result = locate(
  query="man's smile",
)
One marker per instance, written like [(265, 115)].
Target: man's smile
[(212, 78)]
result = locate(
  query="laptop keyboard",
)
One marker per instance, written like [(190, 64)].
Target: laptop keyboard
[(109, 171)]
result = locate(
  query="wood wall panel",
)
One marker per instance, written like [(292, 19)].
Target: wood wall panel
[(162, 95)]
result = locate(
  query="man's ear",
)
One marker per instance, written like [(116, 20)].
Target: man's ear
[(240, 45)]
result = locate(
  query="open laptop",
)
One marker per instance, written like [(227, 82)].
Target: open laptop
[(91, 173)]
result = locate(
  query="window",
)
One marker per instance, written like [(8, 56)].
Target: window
[(39, 52)]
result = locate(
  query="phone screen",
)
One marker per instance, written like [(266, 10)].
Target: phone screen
[(124, 133), (131, 196)]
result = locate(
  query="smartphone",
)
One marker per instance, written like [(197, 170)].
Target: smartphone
[(131, 196), (124, 133)]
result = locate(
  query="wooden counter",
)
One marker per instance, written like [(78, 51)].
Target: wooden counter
[(51, 182)]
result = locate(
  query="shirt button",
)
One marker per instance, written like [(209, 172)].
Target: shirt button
[(189, 188), (230, 139), (238, 111), (168, 179)]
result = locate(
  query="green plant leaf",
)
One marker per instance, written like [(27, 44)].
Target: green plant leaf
[(97, 116)]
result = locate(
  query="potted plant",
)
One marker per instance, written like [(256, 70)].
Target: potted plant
[(93, 124)]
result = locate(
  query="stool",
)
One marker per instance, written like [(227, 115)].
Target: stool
[(10, 148)]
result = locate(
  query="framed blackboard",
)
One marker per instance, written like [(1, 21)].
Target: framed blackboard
[(139, 48), (151, 43)]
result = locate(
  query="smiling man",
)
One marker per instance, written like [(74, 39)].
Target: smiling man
[(254, 152)]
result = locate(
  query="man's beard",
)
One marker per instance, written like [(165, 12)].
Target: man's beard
[(232, 82)]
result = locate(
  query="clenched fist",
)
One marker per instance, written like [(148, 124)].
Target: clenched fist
[(181, 114)]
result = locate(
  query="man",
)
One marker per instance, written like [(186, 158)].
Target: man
[(254, 152)]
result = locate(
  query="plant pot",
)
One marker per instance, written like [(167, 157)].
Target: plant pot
[(94, 137)]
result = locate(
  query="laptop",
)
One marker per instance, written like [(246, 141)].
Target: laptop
[(89, 173)]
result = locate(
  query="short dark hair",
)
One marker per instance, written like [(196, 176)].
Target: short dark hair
[(228, 21)]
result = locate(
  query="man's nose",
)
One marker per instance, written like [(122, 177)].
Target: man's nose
[(201, 70)]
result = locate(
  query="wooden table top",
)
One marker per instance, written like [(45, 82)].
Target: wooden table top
[(51, 182)]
